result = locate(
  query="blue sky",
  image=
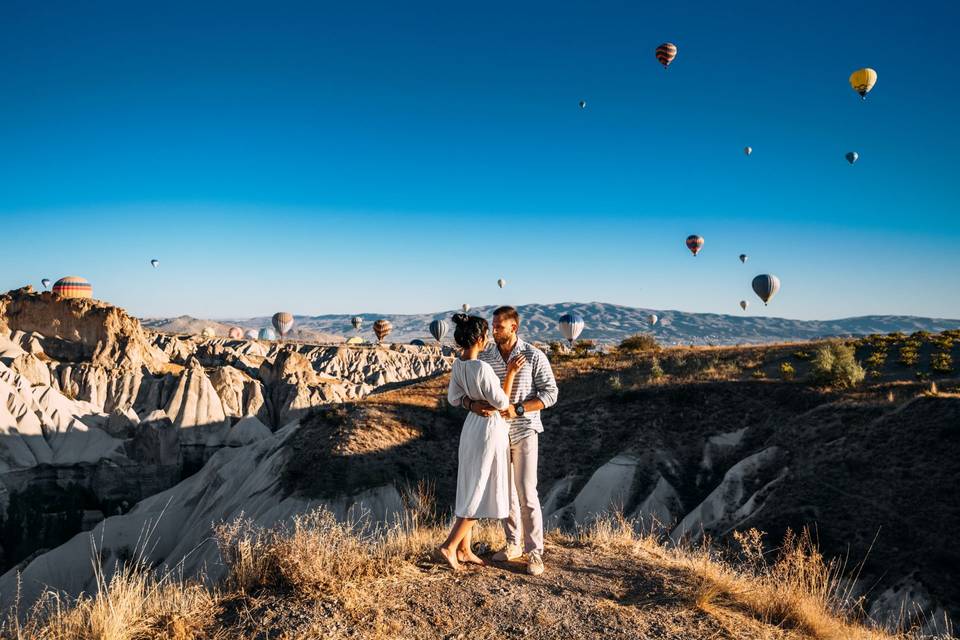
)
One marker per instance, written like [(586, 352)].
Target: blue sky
[(400, 157)]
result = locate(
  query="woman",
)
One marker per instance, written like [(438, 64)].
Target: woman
[(484, 456)]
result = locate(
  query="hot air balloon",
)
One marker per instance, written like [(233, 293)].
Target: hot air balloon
[(356, 321), (766, 286), (46, 283), (853, 156), (744, 304), (570, 326), (418, 343), (748, 150), (155, 263), (208, 332), (267, 334), (666, 53), (250, 334), (465, 307), (862, 81), (501, 283), (235, 333), (652, 318), (382, 329), (73, 287), (743, 257), (438, 329), (583, 104), (694, 243), (282, 322)]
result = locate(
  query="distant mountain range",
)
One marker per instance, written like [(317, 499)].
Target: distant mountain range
[(605, 323)]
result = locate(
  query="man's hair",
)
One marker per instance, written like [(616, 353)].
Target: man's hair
[(508, 313)]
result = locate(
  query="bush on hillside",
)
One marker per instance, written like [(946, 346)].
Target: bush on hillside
[(583, 348), (787, 372), (941, 362), (909, 355), (877, 359), (835, 364), (656, 371), (639, 342)]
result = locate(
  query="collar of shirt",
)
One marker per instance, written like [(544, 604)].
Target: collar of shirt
[(517, 348)]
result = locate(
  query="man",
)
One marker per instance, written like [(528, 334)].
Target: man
[(534, 389)]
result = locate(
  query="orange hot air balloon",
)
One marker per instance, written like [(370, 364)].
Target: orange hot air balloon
[(73, 287)]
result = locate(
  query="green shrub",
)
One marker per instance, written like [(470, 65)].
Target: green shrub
[(909, 355), (835, 364), (877, 358), (920, 336), (941, 362), (616, 383), (787, 372), (639, 342), (942, 342), (758, 374), (656, 371), (801, 355)]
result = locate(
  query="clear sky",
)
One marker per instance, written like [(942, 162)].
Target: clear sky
[(399, 157)]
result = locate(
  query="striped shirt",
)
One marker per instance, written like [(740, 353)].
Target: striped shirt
[(534, 381)]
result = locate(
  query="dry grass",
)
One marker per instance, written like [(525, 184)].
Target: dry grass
[(132, 604), (800, 590), (363, 569)]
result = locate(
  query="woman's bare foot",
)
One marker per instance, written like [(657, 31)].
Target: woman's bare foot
[(469, 557), (450, 557)]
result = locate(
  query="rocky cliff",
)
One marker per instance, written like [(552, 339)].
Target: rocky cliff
[(97, 414)]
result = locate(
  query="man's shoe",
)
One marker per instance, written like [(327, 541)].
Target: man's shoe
[(511, 552), (535, 563)]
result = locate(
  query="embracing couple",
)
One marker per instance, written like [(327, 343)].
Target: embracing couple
[(504, 385)]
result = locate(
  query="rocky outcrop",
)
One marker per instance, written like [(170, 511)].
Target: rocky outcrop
[(96, 413), (660, 509), (745, 487), (236, 482), (79, 329), (241, 395), (608, 489)]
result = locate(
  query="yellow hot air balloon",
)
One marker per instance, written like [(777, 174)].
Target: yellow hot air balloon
[(862, 81)]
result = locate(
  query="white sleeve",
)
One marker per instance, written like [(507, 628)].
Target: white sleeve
[(490, 388), (455, 393)]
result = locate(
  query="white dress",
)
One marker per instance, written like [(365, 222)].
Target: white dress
[(484, 459)]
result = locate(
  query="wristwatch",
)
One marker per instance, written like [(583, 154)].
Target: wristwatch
[(519, 409)]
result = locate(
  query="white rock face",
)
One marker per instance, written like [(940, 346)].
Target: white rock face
[(247, 431), (608, 489), (661, 508), (38, 425), (719, 445), (236, 481), (196, 409), (744, 488)]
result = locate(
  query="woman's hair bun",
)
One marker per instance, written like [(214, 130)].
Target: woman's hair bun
[(470, 329)]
